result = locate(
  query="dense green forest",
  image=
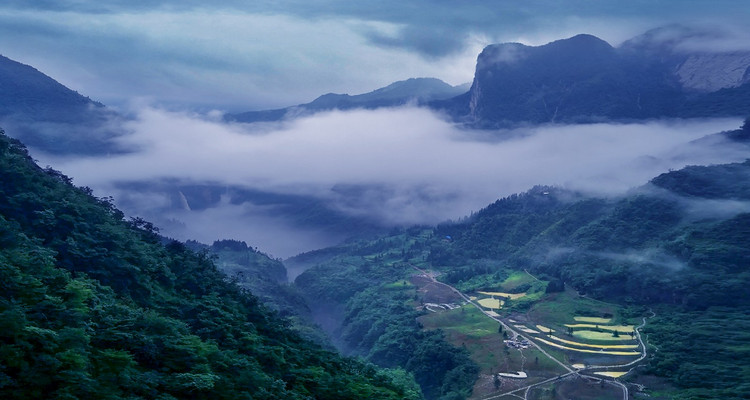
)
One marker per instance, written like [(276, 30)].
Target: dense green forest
[(266, 278), (93, 306), (678, 245), (367, 295)]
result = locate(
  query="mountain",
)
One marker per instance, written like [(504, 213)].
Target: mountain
[(584, 79), (691, 55), (265, 278), (48, 116), (96, 307), (667, 72), (674, 252), (414, 90)]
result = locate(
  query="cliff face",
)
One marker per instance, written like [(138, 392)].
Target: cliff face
[(663, 73), (696, 58), (580, 79), (708, 72)]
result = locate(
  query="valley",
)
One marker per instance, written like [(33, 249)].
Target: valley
[(573, 223), (516, 354), (528, 332)]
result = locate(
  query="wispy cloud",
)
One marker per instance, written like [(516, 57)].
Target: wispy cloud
[(243, 55), (400, 166)]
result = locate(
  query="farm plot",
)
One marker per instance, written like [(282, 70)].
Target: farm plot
[(595, 346), (596, 335), (544, 329), (611, 374), (610, 328), (491, 303), (600, 351), (512, 296), (524, 329), (593, 320)]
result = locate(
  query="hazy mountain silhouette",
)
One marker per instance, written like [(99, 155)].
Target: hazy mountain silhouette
[(414, 90), (48, 116)]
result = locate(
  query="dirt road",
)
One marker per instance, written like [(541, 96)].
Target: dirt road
[(571, 371)]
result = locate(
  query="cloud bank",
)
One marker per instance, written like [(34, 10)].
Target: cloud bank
[(400, 166)]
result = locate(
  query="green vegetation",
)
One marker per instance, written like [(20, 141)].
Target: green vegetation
[(599, 335), (265, 278), (92, 306), (593, 320), (670, 245), (466, 320), (379, 320), (704, 354), (490, 303)]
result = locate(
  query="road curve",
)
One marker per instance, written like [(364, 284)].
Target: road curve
[(571, 371)]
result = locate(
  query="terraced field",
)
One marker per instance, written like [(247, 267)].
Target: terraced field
[(512, 296), (545, 329), (600, 351), (593, 320), (611, 374), (491, 303), (610, 328), (595, 335), (596, 346)]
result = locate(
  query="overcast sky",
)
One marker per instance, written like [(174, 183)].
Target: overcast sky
[(241, 55)]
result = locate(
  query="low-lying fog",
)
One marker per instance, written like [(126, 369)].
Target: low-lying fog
[(409, 166)]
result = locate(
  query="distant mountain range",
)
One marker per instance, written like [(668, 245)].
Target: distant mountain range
[(664, 73), (577, 80), (584, 79), (48, 116), (660, 74), (411, 91)]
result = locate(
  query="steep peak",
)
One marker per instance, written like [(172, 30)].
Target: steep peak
[(502, 53), (582, 45), (583, 39), (579, 44), (414, 87)]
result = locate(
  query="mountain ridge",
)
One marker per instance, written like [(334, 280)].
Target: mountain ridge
[(94, 306), (46, 115), (413, 90), (584, 79), (662, 73)]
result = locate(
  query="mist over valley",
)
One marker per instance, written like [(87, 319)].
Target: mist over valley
[(423, 201)]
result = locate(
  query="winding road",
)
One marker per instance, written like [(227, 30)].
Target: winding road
[(571, 371)]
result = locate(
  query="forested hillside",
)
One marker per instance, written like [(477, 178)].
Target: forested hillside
[(677, 246), (364, 298), (92, 306)]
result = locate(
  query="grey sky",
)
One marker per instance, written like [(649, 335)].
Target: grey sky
[(240, 55)]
